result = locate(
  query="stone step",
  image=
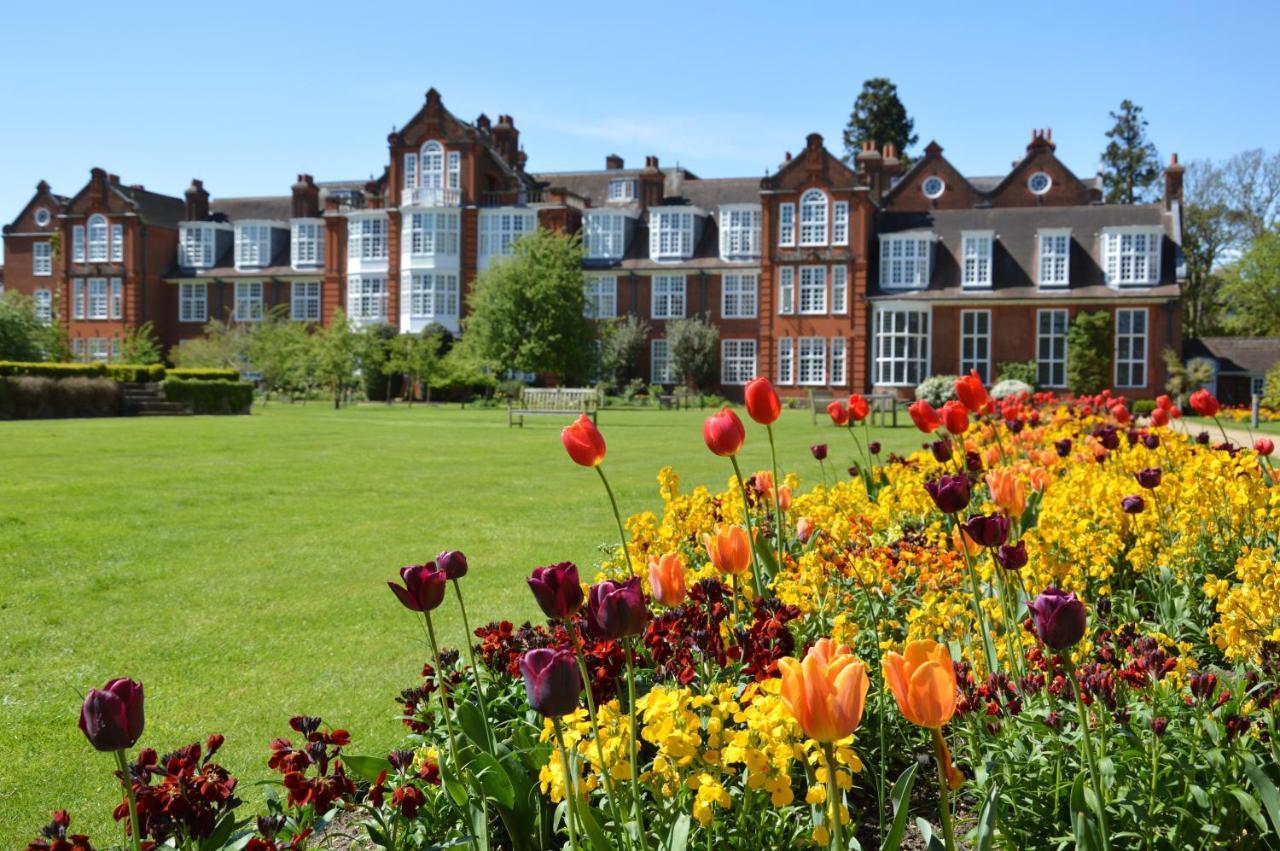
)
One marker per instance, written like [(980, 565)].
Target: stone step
[(152, 413)]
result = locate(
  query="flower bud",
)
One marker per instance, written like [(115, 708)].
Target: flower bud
[(763, 404), (557, 590), (584, 442), (551, 681), (1133, 504), (453, 563), (949, 492), (819, 451), (111, 718), (723, 433), (1059, 618)]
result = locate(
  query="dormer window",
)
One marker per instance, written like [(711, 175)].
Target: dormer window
[(740, 232), (622, 189), (196, 245), (1055, 258), (670, 234), (97, 238), (976, 267), (253, 245), (813, 218), (605, 235), (1131, 256), (307, 244), (905, 260)]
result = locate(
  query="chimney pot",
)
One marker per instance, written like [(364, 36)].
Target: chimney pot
[(787, 157)]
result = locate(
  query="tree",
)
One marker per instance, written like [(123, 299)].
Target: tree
[(694, 345), (278, 349), (1208, 233), (417, 358), (527, 311), (1185, 379), (1251, 289), (1089, 353), (1252, 182), (140, 345), (224, 344), (622, 344), (879, 117), (23, 335), (373, 353), (1130, 164), (338, 351)]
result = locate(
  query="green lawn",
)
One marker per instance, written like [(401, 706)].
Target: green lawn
[(1197, 424), (236, 565)]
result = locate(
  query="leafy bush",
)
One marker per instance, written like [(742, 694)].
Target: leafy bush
[(622, 345), (1010, 387), (203, 373), (135, 372), (1089, 353), (26, 397), (140, 345), (1143, 407), (1025, 371), (1271, 388), (210, 397), (23, 335), (695, 352), (937, 389), (1185, 379), (54, 370)]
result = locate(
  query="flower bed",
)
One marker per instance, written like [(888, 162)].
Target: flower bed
[(1049, 628)]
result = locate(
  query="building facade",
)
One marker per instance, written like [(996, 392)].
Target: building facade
[(824, 275)]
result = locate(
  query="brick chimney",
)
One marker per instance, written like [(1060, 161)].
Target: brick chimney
[(871, 167), (651, 183), (506, 139), (306, 198), (482, 123), (197, 202), (1173, 182), (613, 162)]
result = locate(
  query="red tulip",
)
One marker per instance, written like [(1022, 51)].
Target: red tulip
[(1205, 403), (858, 407), (838, 412), (1164, 403), (423, 588), (970, 392), (955, 417), (1159, 417), (111, 717), (763, 405), (1264, 446), (924, 416), (1120, 412), (583, 441), (723, 433)]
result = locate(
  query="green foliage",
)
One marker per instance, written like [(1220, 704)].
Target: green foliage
[(417, 357), (23, 337), (1251, 289), (937, 389), (878, 116), (337, 357), (25, 397), (135, 372), (1025, 371), (204, 374), (1130, 164), (1089, 350), (1271, 388), (282, 351), (373, 351), (140, 345), (1185, 379), (527, 311), (694, 345), (210, 397), (223, 344), (464, 375), (621, 352), (1143, 407), (54, 370)]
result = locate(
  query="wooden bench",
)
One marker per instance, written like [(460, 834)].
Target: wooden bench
[(884, 406), (553, 401)]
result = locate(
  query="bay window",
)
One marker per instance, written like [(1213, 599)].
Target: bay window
[(433, 295), (905, 261), (432, 233), (901, 345), (738, 296), (367, 239), (737, 361), (500, 229), (366, 298), (1131, 347), (668, 297)]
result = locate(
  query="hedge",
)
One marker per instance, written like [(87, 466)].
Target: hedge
[(210, 397), (27, 397), (135, 372), (204, 374), (54, 370)]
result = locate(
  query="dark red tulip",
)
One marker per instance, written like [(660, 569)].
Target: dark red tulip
[(1012, 557), (989, 530), (949, 492), (1203, 438), (724, 433), (111, 718), (1205, 403), (453, 563), (1133, 504), (1149, 478), (853, 471), (1159, 725), (1063, 447), (941, 450), (557, 590), (423, 588), (819, 451), (616, 609), (972, 461), (874, 447), (1151, 441), (1059, 618), (763, 404), (551, 681)]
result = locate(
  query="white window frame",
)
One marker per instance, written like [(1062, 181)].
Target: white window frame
[(812, 290), (43, 298), (253, 245), (667, 296), (840, 223), (975, 329), (366, 299), (671, 234), (911, 365), (77, 348), (659, 355), (976, 249), (410, 170), (193, 303), (1131, 256), (786, 290), (622, 189), (453, 170), (98, 299), (305, 301), (41, 259), (1134, 363), (117, 243), (814, 218), (306, 243), (116, 303), (1049, 340), (740, 232), (98, 349), (786, 360), (839, 361), (248, 305), (601, 297), (367, 238), (1053, 257), (431, 173), (197, 244), (433, 295), (811, 361), (98, 238), (787, 225), (499, 230), (605, 235), (839, 290), (433, 233), (79, 299), (77, 244), (737, 360), (906, 261), (739, 295)]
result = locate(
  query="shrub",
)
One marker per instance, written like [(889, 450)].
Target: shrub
[(621, 350), (53, 370), (1089, 353), (1143, 407), (1010, 387), (1271, 388), (695, 352), (937, 389), (1025, 371), (210, 397), (135, 372), (204, 373), (25, 397)]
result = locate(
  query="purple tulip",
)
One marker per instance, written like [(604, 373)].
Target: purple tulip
[(1151, 441), (1109, 439), (950, 493), (1063, 446), (423, 588), (1148, 478), (1133, 504), (557, 590), (616, 609), (941, 450), (1203, 438), (1059, 618), (551, 681), (972, 461), (874, 447), (819, 451), (1014, 426), (1012, 557), (111, 717), (853, 471), (989, 530), (1132, 436), (453, 563)]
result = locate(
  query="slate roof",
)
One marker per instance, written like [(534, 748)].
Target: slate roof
[(1251, 355), (152, 207), (271, 207)]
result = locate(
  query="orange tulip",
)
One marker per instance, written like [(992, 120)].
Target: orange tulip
[(729, 549), (961, 542), (923, 682), (583, 441), (1007, 491), (804, 529), (827, 691), (784, 498), (666, 579)]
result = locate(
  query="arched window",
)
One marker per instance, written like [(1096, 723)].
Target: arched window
[(97, 238), (432, 163), (813, 218)]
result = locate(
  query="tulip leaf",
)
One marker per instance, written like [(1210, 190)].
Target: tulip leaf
[(591, 827), (366, 768), (768, 558), (1267, 791), (493, 780), (931, 840), (988, 818), (472, 723), (901, 798), (679, 837), (1082, 821), (1251, 807)]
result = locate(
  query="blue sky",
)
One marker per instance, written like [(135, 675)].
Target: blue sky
[(247, 95)]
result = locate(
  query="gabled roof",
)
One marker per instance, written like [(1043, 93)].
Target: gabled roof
[(814, 162), (152, 207), (1252, 355), (43, 192)]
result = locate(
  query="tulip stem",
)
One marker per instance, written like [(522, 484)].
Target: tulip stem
[(595, 728), (777, 501), (475, 670), (751, 538), (635, 766), (944, 788), (987, 644), (127, 779), (617, 515), (570, 788), (444, 710), (1087, 742), (835, 833)]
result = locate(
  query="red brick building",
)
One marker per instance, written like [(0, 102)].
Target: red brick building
[(824, 275)]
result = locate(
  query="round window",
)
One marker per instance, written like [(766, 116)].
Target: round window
[(42, 217), (1039, 182), (933, 187)]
